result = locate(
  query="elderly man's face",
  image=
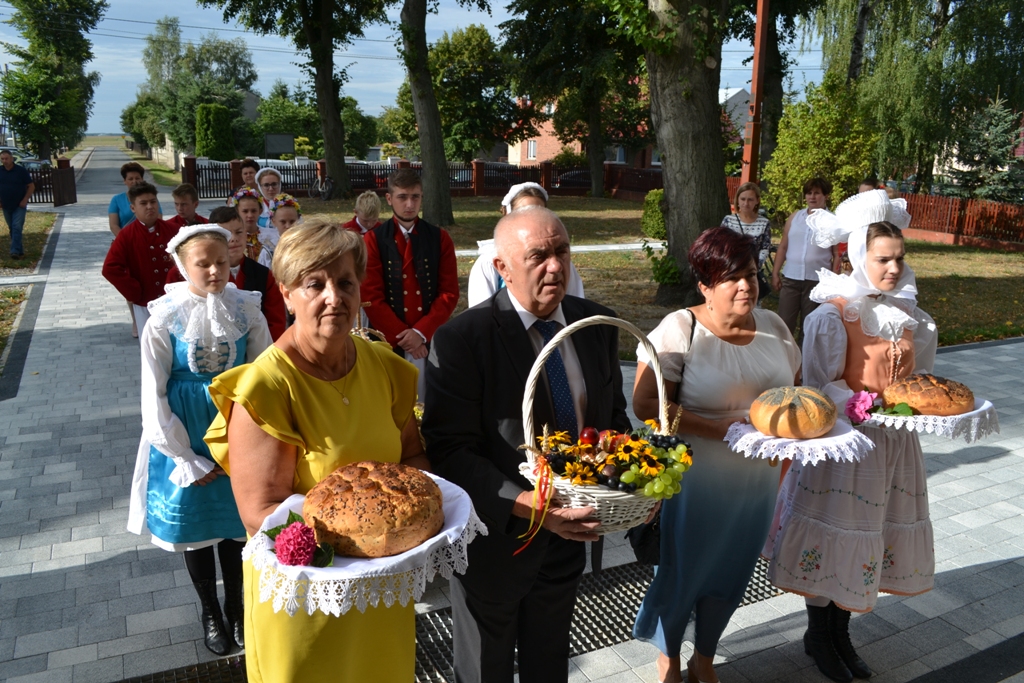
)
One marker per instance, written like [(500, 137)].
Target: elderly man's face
[(534, 260), (7, 159)]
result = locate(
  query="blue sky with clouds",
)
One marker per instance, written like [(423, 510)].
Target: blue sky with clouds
[(374, 70)]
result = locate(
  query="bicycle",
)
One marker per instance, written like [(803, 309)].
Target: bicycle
[(321, 187)]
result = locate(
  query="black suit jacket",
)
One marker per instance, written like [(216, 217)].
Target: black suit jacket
[(473, 421)]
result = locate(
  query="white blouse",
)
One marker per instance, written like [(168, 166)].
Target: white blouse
[(825, 343), (804, 258)]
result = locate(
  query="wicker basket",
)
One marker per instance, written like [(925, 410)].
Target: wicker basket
[(616, 510)]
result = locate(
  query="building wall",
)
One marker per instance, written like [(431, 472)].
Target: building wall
[(547, 146)]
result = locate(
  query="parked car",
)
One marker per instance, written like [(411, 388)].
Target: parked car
[(578, 179)]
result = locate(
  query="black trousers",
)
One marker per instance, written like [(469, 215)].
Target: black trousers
[(495, 608)]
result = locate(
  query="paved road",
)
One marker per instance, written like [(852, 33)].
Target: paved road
[(83, 600)]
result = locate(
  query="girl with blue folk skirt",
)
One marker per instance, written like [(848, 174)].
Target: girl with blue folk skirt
[(197, 330)]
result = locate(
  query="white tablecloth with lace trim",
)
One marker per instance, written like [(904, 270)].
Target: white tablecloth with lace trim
[(359, 582), (842, 443), (976, 424)]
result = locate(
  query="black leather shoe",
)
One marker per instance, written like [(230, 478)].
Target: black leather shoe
[(214, 635), (818, 644), (234, 611), (839, 626)]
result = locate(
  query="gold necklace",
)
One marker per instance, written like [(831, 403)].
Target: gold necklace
[(344, 398)]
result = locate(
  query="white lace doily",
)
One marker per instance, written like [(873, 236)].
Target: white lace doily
[(843, 443), (978, 423), (359, 582)]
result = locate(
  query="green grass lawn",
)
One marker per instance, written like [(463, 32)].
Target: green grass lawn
[(10, 302), (37, 227), (589, 221)]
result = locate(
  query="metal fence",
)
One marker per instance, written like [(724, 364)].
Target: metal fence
[(570, 178), (504, 176), (368, 176), (213, 180)]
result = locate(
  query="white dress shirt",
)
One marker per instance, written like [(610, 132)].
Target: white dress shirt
[(804, 258), (573, 371)]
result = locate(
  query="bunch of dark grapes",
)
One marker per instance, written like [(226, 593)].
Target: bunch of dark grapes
[(666, 442), (558, 463), (608, 476)]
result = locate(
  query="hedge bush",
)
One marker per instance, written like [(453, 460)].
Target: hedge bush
[(653, 221), (214, 135)]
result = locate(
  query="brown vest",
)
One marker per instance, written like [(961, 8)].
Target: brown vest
[(872, 362)]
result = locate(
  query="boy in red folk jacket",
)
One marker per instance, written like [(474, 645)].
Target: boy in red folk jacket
[(412, 282), (245, 273), (186, 201), (137, 263)]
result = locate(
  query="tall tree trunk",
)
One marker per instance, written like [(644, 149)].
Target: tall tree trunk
[(595, 147), (771, 104), (857, 47), (322, 55), (437, 200), (686, 117)]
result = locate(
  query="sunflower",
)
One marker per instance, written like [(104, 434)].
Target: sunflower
[(580, 474), (552, 440), (650, 467), (653, 424), (686, 459)]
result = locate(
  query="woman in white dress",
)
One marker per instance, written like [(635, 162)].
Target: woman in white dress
[(484, 281), (717, 358), (799, 259), (198, 329), (844, 531)]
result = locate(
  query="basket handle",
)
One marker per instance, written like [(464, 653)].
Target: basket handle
[(549, 348)]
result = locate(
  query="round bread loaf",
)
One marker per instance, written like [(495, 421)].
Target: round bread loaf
[(374, 509), (930, 395), (793, 413)]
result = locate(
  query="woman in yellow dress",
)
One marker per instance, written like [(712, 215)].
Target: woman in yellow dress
[(316, 400)]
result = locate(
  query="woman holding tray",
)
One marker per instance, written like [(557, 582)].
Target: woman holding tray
[(316, 400), (845, 531), (716, 358)]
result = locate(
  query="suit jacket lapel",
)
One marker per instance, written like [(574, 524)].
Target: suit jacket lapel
[(520, 353), (589, 355)]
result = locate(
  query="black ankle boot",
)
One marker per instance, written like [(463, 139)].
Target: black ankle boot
[(233, 609), (213, 628), (839, 627), (818, 644)]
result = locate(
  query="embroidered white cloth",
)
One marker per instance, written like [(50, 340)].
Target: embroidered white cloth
[(972, 426), (842, 443), (359, 582)]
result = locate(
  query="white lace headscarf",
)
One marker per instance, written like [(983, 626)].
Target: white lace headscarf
[(516, 190), (881, 314), (273, 171), (207, 325)]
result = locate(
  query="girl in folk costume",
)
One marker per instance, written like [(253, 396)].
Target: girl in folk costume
[(845, 531), (249, 204), (285, 212), (197, 330)]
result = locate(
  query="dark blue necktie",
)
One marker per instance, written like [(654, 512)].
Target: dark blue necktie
[(558, 381)]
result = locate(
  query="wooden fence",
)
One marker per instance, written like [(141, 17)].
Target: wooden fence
[(966, 221), (54, 185)]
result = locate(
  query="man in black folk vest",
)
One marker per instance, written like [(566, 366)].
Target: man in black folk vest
[(412, 281)]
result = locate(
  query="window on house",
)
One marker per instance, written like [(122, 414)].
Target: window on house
[(655, 158), (549, 108), (531, 149)]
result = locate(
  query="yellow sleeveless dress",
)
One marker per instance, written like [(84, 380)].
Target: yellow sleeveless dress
[(376, 645)]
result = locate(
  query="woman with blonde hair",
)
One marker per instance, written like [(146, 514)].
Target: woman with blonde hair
[(748, 221), (319, 398)]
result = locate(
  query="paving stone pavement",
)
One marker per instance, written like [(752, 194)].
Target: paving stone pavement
[(83, 600)]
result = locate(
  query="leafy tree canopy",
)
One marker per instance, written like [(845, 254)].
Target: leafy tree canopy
[(825, 135)]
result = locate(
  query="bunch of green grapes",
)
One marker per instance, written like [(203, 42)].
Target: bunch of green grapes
[(663, 485)]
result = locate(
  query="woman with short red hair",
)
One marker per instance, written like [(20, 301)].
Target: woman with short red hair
[(712, 532)]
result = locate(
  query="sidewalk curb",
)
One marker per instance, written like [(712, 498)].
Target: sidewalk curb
[(79, 170)]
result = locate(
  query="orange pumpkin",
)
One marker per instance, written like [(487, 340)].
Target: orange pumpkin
[(793, 413)]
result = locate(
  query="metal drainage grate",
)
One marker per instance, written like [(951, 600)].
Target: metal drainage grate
[(606, 606)]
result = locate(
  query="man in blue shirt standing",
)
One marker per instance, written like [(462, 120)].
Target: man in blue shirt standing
[(15, 189)]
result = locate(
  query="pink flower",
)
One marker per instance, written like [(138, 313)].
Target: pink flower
[(295, 545), (859, 406)]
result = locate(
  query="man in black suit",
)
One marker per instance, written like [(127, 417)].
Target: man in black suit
[(473, 426)]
